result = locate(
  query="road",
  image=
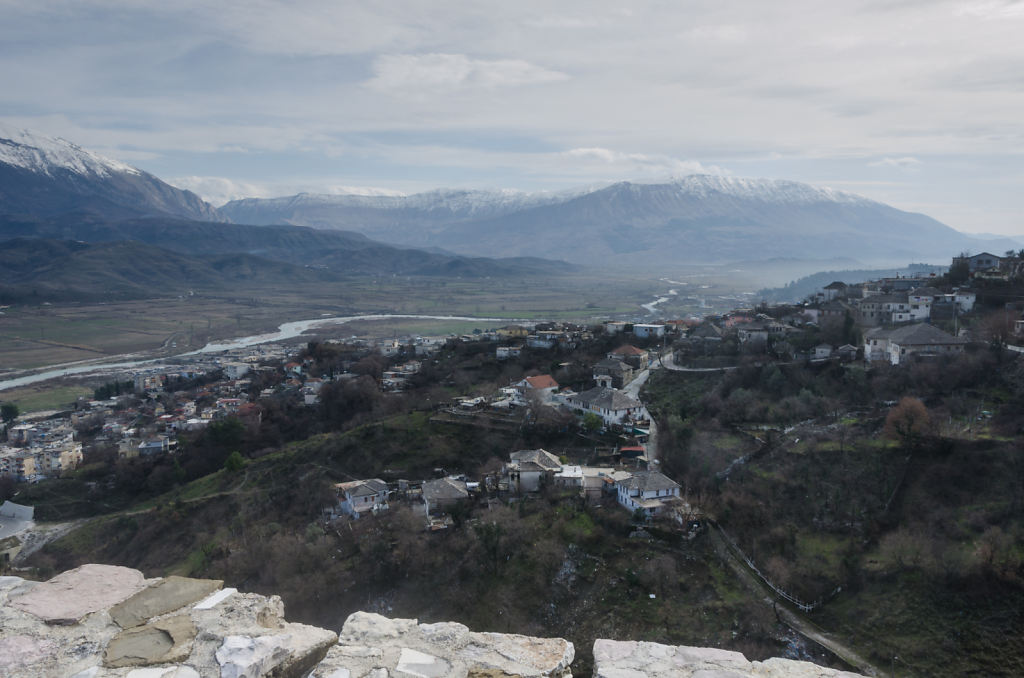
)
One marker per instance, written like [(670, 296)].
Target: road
[(632, 389)]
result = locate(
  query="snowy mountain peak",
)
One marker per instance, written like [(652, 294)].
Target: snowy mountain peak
[(768, 190), (42, 154)]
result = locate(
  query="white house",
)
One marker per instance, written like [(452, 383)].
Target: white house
[(614, 407), (965, 300), (648, 491), (822, 352), (235, 370), (922, 340), (540, 386), (506, 352), (645, 331), (362, 496)]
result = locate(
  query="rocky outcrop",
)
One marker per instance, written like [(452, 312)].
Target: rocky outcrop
[(100, 621), (634, 659), (371, 645)]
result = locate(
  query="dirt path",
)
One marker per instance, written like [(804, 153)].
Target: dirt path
[(795, 621)]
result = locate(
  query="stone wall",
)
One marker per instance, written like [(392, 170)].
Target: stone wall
[(103, 621)]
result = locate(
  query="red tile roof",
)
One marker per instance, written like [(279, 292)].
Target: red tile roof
[(542, 381)]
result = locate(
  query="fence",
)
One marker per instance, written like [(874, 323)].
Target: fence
[(804, 607)]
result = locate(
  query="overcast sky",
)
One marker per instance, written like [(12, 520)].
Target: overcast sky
[(918, 103)]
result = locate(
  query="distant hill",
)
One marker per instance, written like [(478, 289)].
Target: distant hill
[(45, 176), (341, 252), (696, 219), (800, 289), (34, 269)]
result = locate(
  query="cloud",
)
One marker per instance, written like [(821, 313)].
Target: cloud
[(905, 163), (726, 33), (405, 72), (640, 162)]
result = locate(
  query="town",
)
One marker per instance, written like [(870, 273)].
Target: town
[(142, 413)]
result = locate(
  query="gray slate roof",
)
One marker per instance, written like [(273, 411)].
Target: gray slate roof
[(444, 488), (922, 335), (650, 481), (535, 460)]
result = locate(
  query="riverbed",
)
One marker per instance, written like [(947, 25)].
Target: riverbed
[(285, 331)]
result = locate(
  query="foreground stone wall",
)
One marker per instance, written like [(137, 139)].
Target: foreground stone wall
[(102, 621)]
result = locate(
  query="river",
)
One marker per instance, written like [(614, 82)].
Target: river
[(287, 330)]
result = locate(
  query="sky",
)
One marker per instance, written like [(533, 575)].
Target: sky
[(916, 103)]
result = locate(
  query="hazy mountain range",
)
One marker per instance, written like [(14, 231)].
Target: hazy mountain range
[(76, 225), (51, 188), (695, 219)]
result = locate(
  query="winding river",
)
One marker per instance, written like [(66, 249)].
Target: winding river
[(288, 330)]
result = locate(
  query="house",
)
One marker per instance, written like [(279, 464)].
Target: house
[(834, 290), (527, 470), (649, 491), (752, 332), (922, 341), (362, 496), (389, 347), (614, 407), (965, 300), (441, 494), (648, 331), (160, 445), (980, 262), (884, 309), (706, 332), (540, 387), (847, 352), (615, 327), (235, 370), (876, 345), (637, 357), (821, 352), (613, 373), (506, 352)]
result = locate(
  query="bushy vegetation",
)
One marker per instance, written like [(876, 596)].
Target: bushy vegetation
[(878, 492)]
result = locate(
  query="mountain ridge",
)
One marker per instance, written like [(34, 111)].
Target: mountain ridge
[(692, 219), (48, 176)]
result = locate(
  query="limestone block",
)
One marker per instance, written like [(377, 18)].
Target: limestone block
[(372, 645), (165, 595), (248, 657), (73, 594), (158, 642), (635, 659)]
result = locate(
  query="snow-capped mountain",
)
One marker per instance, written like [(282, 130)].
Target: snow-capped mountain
[(384, 213), (46, 176), (698, 218)]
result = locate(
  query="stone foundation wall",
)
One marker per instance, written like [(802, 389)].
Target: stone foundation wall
[(103, 621)]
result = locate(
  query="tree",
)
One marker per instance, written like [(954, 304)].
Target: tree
[(234, 463), (9, 412), (592, 422), (907, 422), (960, 270)]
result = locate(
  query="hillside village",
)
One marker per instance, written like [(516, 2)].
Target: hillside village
[(890, 320)]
